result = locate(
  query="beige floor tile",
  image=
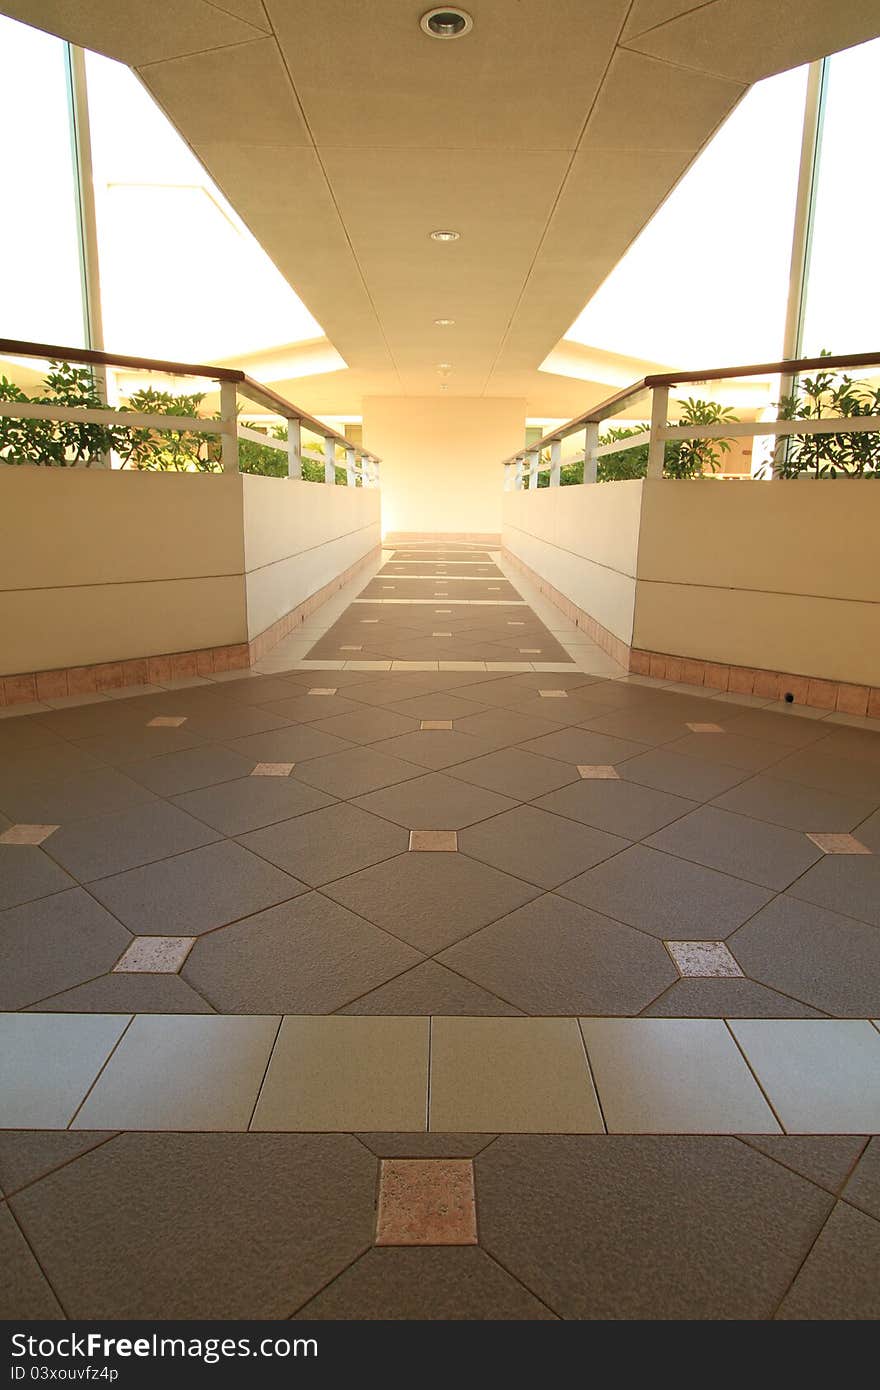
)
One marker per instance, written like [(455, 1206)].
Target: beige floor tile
[(673, 1076), (336, 1073), (183, 1071), (822, 1076), (48, 1062), (511, 1075)]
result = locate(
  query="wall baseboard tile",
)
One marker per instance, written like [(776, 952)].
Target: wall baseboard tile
[(31, 687)]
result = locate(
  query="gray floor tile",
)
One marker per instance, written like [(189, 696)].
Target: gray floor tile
[(690, 777), (183, 1072), (197, 767), (538, 846), (790, 730), (54, 943), (196, 891), (430, 900), (48, 1062), (293, 744), (104, 845), (645, 726), (308, 956), (840, 1278), (435, 801), (355, 771), (233, 720), (25, 1293), (863, 1188), (726, 998), (848, 883), (829, 961), (302, 709), (425, 1145), (750, 849), (868, 831), (827, 771), (50, 762), (328, 844), (510, 1075), (252, 802), (621, 808), (826, 1159), (429, 988), (516, 773), (503, 727), (439, 705), (346, 1074), (435, 748), (368, 725), (821, 1076), (673, 1076), (735, 750), (29, 1154), (452, 1283), (171, 1241), (133, 744), (553, 957), (85, 794), (28, 872), (124, 993), (799, 808), (720, 1229), (668, 897)]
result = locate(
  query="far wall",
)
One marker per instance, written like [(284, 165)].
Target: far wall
[(441, 459)]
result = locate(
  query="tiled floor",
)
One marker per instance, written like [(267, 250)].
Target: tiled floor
[(594, 915)]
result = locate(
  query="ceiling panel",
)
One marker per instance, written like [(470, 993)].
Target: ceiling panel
[(646, 14), (649, 105), (522, 79), (134, 33), (749, 39)]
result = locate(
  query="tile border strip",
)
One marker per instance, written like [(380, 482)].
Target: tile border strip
[(842, 697), (29, 687)]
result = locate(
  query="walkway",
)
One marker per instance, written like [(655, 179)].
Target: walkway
[(613, 923)]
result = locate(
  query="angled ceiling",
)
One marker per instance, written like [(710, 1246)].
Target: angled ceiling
[(548, 136)]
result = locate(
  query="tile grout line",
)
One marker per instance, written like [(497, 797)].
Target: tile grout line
[(428, 1079), (247, 1128), (101, 1070), (754, 1074), (591, 1074)]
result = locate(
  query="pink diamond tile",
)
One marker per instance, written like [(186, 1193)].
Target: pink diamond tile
[(837, 844), (705, 728), (154, 955), (425, 724), (702, 958), (599, 772), (273, 769), (433, 840), (167, 721), (426, 1201), (323, 689), (27, 834), (554, 694)]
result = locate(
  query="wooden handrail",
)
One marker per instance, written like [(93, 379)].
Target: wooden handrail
[(612, 404), (252, 390)]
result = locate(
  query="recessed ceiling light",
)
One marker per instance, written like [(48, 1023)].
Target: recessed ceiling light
[(444, 366), (444, 323), (446, 23), (445, 236)]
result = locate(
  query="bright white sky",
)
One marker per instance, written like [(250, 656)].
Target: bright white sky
[(706, 280)]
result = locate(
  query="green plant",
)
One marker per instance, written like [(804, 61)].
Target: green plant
[(179, 451), (63, 443), (691, 458), (829, 394)]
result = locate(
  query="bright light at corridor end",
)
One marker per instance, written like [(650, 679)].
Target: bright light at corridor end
[(445, 23), (445, 236)]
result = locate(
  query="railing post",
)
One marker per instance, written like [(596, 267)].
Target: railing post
[(228, 427), (329, 461), (518, 475), (555, 462), (657, 443), (534, 465), (350, 475), (591, 444), (294, 449), (376, 477)]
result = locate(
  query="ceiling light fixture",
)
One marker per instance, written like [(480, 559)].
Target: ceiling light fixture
[(446, 23), (444, 323), (445, 236), (444, 366)]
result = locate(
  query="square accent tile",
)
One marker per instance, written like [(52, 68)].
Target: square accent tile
[(433, 840), (426, 1201), (530, 651), (350, 649), (553, 694), (154, 955), (273, 769), (428, 724), (702, 958), (441, 634), (828, 844), (27, 834), (705, 728), (167, 721), (324, 689), (599, 772), (443, 610)]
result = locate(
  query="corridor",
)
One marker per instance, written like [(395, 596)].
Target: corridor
[(601, 956)]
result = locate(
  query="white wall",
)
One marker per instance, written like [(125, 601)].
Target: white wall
[(781, 576), (441, 459), (299, 536), (584, 541)]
